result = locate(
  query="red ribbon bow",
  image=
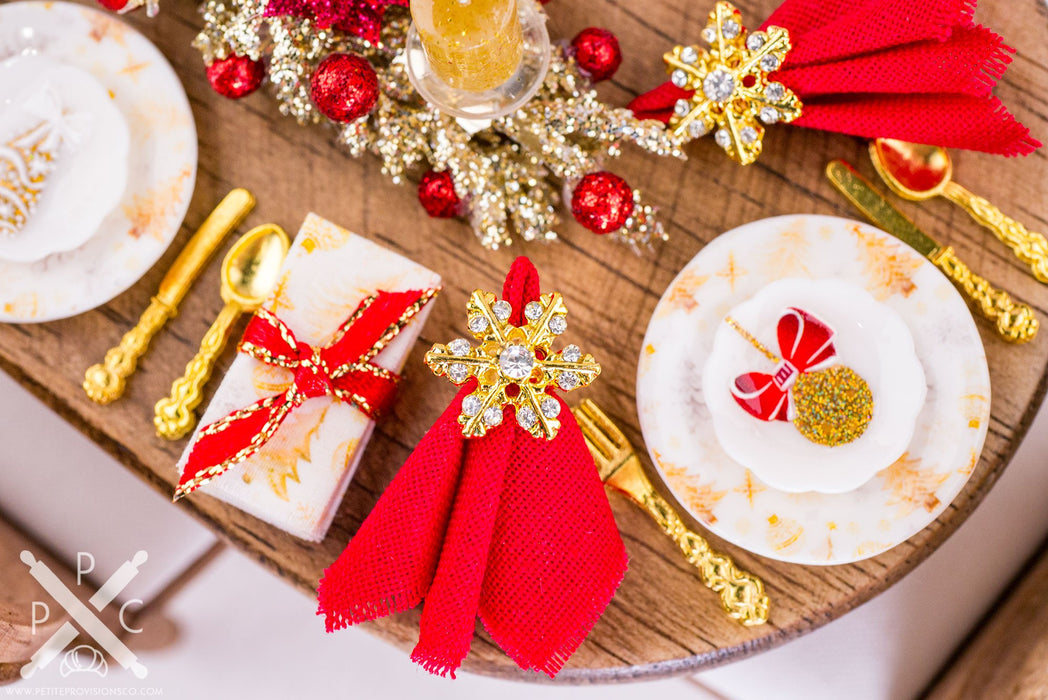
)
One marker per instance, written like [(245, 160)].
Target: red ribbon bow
[(805, 343), (915, 70), (515, 530), (342, 368)]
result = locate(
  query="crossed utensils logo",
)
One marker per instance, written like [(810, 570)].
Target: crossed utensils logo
[(83, 616)]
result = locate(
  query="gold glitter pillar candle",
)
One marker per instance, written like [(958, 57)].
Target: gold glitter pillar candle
[(473, 45)]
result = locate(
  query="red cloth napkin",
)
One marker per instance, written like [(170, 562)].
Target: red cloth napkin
[(915, 70), (507, 527)]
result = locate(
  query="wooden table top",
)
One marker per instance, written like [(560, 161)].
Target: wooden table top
[(662, 620)]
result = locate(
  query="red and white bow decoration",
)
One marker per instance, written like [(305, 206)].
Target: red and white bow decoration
[(343, 368), (806, 343)]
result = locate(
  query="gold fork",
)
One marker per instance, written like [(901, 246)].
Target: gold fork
[(742, 594)]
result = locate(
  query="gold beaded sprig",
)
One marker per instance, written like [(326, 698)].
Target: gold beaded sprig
[(511, 170)]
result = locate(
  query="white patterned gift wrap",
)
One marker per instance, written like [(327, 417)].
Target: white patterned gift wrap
[(297, 480)]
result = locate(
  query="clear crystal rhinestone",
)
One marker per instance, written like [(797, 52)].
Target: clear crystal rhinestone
[(492, 415), (748, 135), (516, 362), (471, 405), (775, 91), (769, 63), (689, 55), (709, 34), (723, 138), (550, 407), (718, 86), (769, 115), (755, 41), (572, 353), (502, 310), (696, 128), (459, 347), (558, 324), (478, 324), (568, 380), (679, 78), (681, 108), (526, 417), (533, 311), (458, 373), (730, 28)]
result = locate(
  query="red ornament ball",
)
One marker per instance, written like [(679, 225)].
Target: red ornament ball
[(114, 5), (236, 76), (602, 202), (597, 52), (436, 193), (344, 87)]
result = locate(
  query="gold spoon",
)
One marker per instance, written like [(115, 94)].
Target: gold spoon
[(249, 273), (918, 172)]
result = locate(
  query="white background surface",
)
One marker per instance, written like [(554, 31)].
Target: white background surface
[(244, 633)]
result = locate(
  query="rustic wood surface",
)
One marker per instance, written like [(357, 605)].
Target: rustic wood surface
[(1005, 659), (662, 620)]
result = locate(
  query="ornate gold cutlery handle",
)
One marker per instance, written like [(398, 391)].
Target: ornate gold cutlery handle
[(1028, 246), (1015, 321), (174, 416), (742, 594), (105, 382)]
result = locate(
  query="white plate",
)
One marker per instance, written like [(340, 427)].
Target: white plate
[(162, 165), (90, 169), (812, 528)]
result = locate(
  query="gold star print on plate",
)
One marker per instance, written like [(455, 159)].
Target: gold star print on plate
[(513, 365), (733, 98)]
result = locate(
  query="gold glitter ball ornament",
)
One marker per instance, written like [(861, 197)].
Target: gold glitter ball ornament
[(833, 406)]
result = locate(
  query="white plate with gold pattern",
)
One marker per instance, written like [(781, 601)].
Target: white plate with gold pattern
[(161, 168), (812, 528)]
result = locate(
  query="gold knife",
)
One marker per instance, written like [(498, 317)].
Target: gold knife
[(105, 382), (1015, 321)]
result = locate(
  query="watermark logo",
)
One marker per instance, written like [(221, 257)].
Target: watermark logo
[(84, 658), (76, 660)]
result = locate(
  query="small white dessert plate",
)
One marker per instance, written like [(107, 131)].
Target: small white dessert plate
[(90, 167), (812, 528), (161, 167), (869, 337)]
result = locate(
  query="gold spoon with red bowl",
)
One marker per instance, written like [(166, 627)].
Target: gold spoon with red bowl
[(918, 172)]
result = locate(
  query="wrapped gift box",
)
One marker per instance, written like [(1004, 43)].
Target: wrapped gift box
[(298, 478)]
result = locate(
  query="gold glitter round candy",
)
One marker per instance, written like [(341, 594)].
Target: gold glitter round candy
[(833, 406)]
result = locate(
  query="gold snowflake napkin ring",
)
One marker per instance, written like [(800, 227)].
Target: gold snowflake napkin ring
[(513, 365), (733, 97)]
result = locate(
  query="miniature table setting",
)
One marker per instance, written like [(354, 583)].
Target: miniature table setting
[(649, 345)]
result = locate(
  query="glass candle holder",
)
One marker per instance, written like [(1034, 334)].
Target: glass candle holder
[(477, 59)]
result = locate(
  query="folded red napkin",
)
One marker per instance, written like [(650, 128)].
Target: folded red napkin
[(915, 70), (507, 527)]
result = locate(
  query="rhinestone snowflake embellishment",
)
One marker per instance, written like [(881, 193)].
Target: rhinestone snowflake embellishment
[(513, 366), (733, 98)]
